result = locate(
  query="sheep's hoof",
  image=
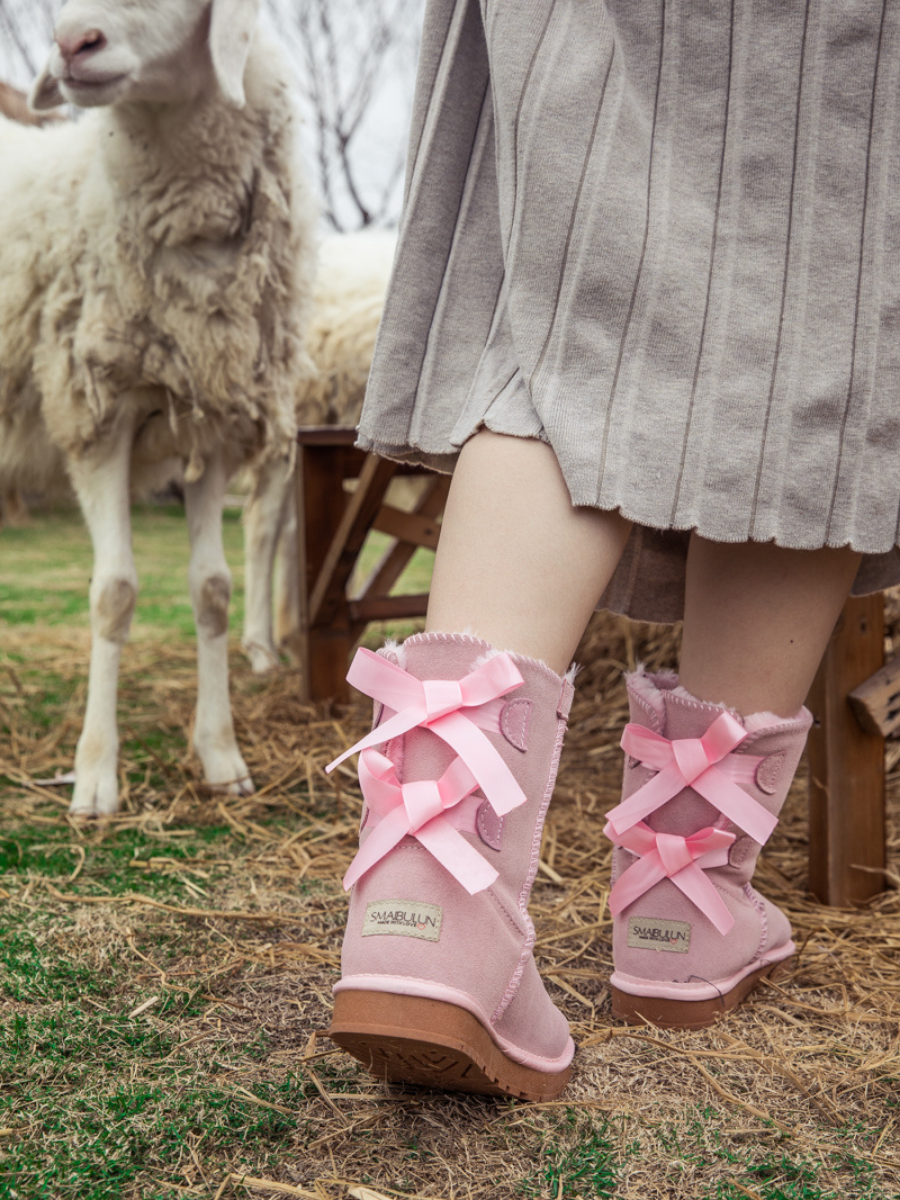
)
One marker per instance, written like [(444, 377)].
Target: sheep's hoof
[(263, 659), (96, 793), (226, 772), (238, 787)]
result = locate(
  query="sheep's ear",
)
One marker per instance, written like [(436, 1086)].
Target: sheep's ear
[(230, 32), (45, 92)]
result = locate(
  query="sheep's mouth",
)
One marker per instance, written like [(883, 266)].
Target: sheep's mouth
[(87, 85)]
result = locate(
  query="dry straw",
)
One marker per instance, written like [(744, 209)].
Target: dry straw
[(806, 1061)]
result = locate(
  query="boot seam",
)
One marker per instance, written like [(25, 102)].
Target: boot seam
[(802, 721), (414, 979), (498, 903), (485, 648), (799, 724), (649, 712), (513, 986), (757, 903)]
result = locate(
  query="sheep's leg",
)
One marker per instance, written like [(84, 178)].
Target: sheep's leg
[(101, 485), (210, 586), (13, 510), (263, 520), (287, 583)]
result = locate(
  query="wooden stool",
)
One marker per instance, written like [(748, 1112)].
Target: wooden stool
[(855, 700), (332, 526)]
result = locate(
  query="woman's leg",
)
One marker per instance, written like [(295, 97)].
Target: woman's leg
[(757, 620), (517, 565), (439, 985)]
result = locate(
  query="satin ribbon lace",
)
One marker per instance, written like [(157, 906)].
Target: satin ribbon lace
[(708, 766), (683, 860), (457, 711), (699, 763), (419, 810)]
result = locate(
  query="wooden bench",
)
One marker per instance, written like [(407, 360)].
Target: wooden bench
[(855, 703)]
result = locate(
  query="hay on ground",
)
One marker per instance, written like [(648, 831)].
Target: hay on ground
[(809, 1069)]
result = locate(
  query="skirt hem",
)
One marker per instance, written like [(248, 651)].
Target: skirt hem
[(443, 462)]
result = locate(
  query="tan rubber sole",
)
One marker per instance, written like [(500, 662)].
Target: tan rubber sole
[(407, 1039), (688, 1014)]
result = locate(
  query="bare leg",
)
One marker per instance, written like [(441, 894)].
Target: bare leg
[(517, 565), (757, 620)]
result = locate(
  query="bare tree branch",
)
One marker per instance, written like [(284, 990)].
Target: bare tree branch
[(26, 29), (355, 68), (353, 53)]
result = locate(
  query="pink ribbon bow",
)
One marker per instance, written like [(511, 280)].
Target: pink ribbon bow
[(696, 763), (418, 809), (450, 709), (683, 860)]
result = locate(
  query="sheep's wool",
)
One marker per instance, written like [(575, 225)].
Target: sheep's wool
[(163, 256)]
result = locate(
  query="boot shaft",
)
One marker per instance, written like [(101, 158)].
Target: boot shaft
[(762, 765), (527, 729), (413, 928), (457, 775), (702, 791)]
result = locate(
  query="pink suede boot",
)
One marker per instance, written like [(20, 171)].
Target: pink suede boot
[(439, 986), (702, 792)]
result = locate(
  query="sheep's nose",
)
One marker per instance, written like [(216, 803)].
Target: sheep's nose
[(80, 45)]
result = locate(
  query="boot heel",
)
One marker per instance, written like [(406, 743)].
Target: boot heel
[(408, 1039), (689, 1014)]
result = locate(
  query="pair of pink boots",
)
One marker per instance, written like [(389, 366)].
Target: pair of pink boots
[(439, 985)]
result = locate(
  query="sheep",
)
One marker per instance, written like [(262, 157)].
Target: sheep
[(157, 259), (349, 298)]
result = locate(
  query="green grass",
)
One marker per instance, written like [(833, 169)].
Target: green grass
[(98, 1102), (766, 1165), (577, 1160), (45, 570), (111, 1096), (582, 1155), (102, 1098), (113, 864)]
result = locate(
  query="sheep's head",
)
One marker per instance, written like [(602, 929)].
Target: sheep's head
[(157, 51)]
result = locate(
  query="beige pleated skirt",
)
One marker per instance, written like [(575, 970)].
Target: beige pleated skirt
[(664, 237)]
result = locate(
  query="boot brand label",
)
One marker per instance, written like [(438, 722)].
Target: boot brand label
[(403, 918), (648, 933)]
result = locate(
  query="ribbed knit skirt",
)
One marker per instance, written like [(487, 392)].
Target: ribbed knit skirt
[(664, 237)]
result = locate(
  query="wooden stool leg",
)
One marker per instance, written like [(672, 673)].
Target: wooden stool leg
[(321, 502), (846, 764), (334, 528)]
